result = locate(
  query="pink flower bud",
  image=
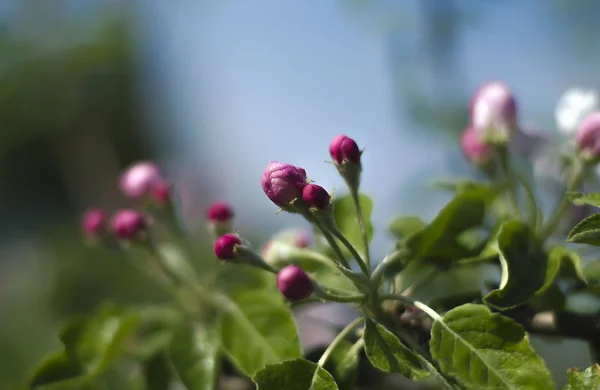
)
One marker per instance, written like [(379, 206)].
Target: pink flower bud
[(225, 246), (475, 150), (316, 196), (294, 283), (283, 183), (303, 240), (219, 212), (161, 194), (93, 223), (587, 138), (343, 148), (140, 179), (128, 224), (493, 111)]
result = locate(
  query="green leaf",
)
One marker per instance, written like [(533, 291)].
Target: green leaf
[(486, 351), (157, 372), (439, 238), (388, 354), (194, 355), (344, 363), (524, 266), (296, 374), (402, 227), (583, 380), (569, 263), (57, 368), (258, 329), (587, 231), (580, 199), (344, 214)]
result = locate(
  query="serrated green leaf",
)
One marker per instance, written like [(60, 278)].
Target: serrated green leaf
[(524, 266), (583, 380), (388, 354), (346, 220), (195, 358), (587, 231), (402, 227), (439, 238), (486, 351), (258, 329), (296, 374), (580, 199)]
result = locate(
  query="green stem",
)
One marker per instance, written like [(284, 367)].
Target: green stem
[(419, 305), (334, 246), (579, 173), (390, 259), (325, 295), (363, 231), (336, 233), (339, 338), (512, 190)]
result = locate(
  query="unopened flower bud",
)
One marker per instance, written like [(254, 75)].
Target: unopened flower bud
[(294, 283), (219, 217), (225, 246), (140, 179), (128, 224), (493, 112), (587, 138), (316, 196), (161, 194), (93, 223), (474, 149), (343, 148), (283, 183)]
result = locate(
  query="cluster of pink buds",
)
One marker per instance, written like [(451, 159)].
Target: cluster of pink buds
[(141, 181)]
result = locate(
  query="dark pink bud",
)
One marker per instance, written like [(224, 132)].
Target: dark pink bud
[(93, 223), (140, 179), (587, 137), (294, 283), (343, 148), (283, 183), (128, 224), (493, 110), (316, 196), (161, 193), (475, 150), (225, 246), (219, 212)]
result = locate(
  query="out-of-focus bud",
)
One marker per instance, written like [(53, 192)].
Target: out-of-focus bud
[(93, 224), (129, 224), (573, 106), (226, 245), (587, 138), (474, 149), (344, 149), (493, 112), (161, 194), (294, 283), (283, 183), (316, 197), (140, 179), (219, 217)]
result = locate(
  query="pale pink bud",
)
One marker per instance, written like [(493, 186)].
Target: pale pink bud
[(475, 150), (493, 111), (587, 138), (140, 179), (283, 183), (294, 283)]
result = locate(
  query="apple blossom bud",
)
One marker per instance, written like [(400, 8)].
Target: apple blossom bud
[(161, 194), (316, 196), (474, 149), (225, 246), (572, 108), (294, 283), (140, 179), (283, 183), (343, 148), (93, 223), (493, 112), (219, 212), (303, 240), (128, 224), (587, 138)]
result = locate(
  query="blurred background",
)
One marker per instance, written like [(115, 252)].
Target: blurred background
[(213, 90)]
